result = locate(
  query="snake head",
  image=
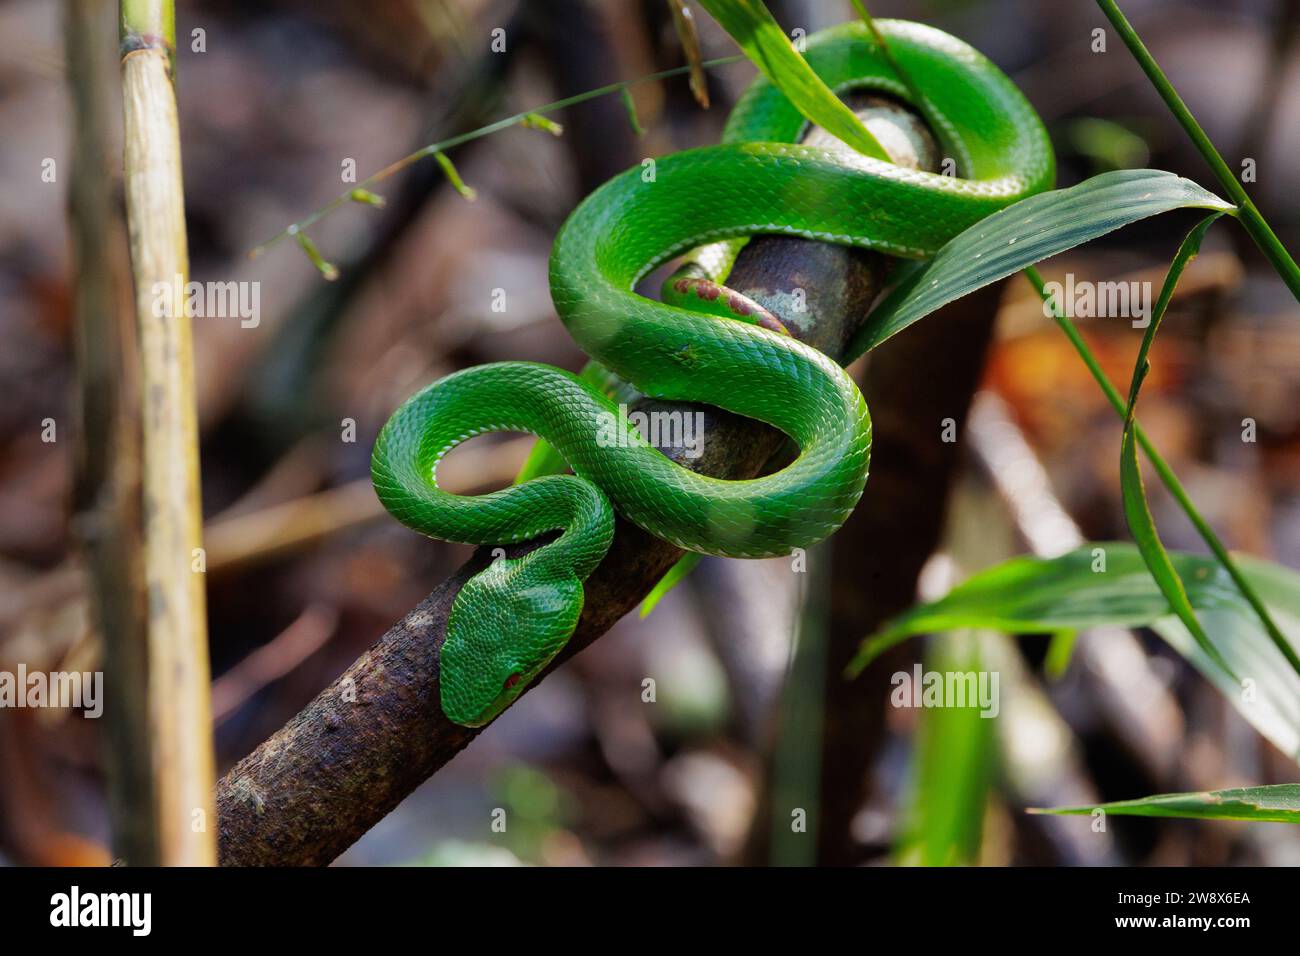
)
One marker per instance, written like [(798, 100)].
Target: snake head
[(506, 625)]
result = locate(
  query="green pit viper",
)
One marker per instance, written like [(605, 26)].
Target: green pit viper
[(703, 343)]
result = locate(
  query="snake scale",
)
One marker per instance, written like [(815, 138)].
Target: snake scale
[(703, 343)]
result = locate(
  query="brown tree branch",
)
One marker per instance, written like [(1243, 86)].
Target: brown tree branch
[(914, 383), (377, 732)]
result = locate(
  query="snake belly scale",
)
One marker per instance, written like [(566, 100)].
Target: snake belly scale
[(511, 619)]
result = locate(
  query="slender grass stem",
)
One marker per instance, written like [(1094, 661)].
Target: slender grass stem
[(1166, 474), (1137, 509), (518, 119), (1250, 217), (920, 101)]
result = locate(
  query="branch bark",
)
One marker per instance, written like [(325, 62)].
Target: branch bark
[(377, 732), (914, 383)]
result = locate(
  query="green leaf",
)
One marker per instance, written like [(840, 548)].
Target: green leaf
[(673, 577), (1029, 231), (1108, 144), (543, 459), (1279, 803), (1137, 511), (955, 760), (1167, 476), (752, 27), (1107, 584), (453, 177), (1059, 652), (327, 269), (544, 123), (367, 198), (629, 105), (920, 101)]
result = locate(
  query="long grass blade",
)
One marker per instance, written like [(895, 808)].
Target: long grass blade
[(1137, 510), (1107, 584), (954, 769), (752, 26), (1279, 803), (1168, 478), (1027, 232), (674, 576)]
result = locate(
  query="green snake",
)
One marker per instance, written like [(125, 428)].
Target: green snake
[(703, 343)]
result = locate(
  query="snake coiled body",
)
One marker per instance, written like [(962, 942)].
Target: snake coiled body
[(511, 619)]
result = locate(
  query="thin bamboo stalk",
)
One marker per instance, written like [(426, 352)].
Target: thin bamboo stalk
[(180, 709), (107, 491)]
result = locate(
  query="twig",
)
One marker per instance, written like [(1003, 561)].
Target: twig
[(439, 148), (181, 723)]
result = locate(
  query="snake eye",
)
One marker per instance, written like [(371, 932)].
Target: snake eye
[(512, 680)]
